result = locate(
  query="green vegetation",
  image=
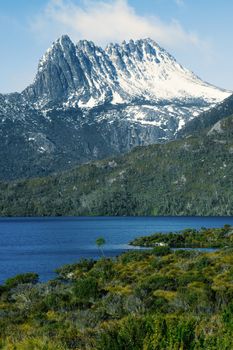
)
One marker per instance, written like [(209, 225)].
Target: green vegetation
[(192, 176), (29, 277), (100, 242), (156, 299), (204, 238)]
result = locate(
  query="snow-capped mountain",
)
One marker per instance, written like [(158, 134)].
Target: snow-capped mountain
[(87, 102), (86, 75)]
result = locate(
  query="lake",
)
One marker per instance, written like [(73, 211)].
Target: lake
[(43, 244)]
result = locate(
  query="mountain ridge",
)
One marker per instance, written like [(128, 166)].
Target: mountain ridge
[(82, 65), (88, 103)]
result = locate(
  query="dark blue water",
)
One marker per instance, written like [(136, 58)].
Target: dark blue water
[(43, 244)]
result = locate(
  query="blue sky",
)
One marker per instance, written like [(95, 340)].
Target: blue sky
[(197, 32)]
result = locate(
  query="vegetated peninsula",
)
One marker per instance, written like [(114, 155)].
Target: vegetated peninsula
[(189, 238), (188, 176), (155, 299)]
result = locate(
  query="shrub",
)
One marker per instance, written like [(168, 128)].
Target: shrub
[(127, 334), (161, 251), (29, 277), (86, 288), (84, 265), (139, 255)]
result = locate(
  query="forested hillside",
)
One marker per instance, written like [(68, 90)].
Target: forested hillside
[(191, 176)]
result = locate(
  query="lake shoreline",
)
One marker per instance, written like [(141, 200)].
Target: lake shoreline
[(44, 244)]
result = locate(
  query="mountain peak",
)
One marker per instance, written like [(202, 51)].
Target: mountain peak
[(87, 46), (86, 75), (64, 39), (63, 43), (87, 103), (85, 43), (143, 49), (147, 40)]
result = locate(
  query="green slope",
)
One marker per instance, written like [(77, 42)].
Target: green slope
[(208, 118), (192, 176)]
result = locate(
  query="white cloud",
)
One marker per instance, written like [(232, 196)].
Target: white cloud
[(104, 21)]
